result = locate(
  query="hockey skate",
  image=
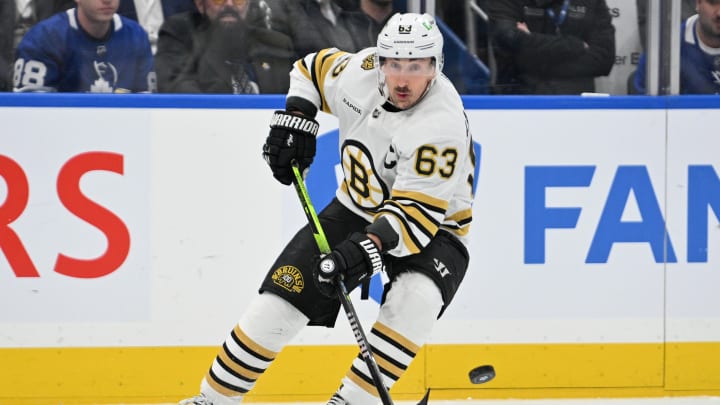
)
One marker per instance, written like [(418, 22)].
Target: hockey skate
[(196, 400)]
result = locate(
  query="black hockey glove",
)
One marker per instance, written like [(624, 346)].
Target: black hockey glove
[(292, 137), (354, 259)]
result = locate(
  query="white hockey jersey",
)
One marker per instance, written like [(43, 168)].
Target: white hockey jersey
[(413, 166)]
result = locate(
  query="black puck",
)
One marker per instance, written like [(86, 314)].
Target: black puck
[(482, 374)]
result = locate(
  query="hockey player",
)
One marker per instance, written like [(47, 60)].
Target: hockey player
[(405, 206), (89, 48)]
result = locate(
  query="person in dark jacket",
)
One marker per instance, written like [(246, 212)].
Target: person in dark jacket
[(551, 46), (225, 47), (15, 21), (7, 21), (151, 14), (317, 24)]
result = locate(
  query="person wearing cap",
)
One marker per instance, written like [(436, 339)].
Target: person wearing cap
[(403, 207)]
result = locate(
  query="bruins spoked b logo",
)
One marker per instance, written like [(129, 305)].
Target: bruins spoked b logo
[(363, 185)]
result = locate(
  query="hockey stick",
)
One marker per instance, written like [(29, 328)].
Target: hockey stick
[(342, 292), (478, 375)]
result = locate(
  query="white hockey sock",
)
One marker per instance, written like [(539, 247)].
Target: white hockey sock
[(268, 324), (403, 326)]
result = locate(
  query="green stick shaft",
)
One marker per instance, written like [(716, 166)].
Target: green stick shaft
[(343, 294)]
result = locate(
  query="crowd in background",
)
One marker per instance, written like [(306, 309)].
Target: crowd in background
[(249, 46)]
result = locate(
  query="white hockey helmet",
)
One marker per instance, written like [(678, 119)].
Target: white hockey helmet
[(410, 36)]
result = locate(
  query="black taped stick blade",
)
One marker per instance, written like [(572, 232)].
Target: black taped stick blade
[(424, 400)]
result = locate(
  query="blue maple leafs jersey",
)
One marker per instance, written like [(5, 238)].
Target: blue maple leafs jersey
[(58, 55), (699, 64)]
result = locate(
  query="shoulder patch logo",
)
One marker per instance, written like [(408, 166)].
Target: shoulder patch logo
[(289, 278), (369, 62)]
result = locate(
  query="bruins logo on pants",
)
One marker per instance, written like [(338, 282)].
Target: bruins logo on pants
[(289, 278)]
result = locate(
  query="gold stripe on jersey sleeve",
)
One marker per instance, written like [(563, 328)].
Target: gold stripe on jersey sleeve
[(396, 337), (322, 64), (268, 354), (430, 202), (328, 64), (300, 65), (419, 217), (463, 219)]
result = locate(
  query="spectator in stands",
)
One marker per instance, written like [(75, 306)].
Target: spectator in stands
[(7, 20), (345, 27), (89, 48), (368, 19), (30, 12), (151, 14), (227, 46), (699, 52), (687, 9), (378, 10), (16, 18), (551, 46)]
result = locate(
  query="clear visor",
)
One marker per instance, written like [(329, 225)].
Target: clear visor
[(424, 67)]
